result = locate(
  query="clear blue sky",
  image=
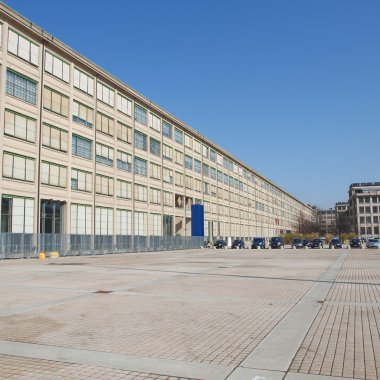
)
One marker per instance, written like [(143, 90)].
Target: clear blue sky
[(292, 88)]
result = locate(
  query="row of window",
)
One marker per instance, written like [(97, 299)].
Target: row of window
[(369, 219), (25, 89), (368, 199), (367, 209)]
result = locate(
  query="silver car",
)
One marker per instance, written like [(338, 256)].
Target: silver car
[(373, 243)]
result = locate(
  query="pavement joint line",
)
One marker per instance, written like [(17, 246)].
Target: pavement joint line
[(327, 281), (304, 376), (116, 361), (277, 350)]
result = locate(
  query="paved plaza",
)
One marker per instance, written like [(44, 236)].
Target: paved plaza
[(199, 314)]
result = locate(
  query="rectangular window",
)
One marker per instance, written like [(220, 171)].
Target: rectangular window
[(197, 166), (188, 182), (81, 180), (205, 151), (206, 188), (197, 146), (140, 166), (188, 162), (104, 124), (56, 102), (198, 185), (124, 222), (155, 122), (105, 94), (212, 172), (22, 47), (178, 157), (213, 191), (168, 199), (219, 159), (124, 189), (141, 141), (83, 114), (83, 82), (140, 114), (124, 105), (53, 174), (155, 147), (141, 223), (167, 175), (124, 132), (212, 155), (103, 221), (81, 219), (20, 126), (155, 196), (178, 136), (167, 152), (156, 224), (104, 154), (167, 130), (18, 167), (17, 214), (178, 179), (124, 161), (57, 66), (82, 147), (155, 171), (104, 185), (141, 193), (205, 169), (188, 141), (21, 87)]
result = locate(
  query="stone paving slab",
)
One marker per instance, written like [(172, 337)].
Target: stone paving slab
[(189, 314)]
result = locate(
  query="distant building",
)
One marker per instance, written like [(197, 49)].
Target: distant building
[(364, 208), (327, 221), (343, 220)]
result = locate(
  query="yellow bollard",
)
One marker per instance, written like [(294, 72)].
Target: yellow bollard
[(42, 256), (54, 255)]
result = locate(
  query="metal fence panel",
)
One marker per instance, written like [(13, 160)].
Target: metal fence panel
[(16, 245)]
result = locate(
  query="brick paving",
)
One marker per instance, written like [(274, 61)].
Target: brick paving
[(344, 339), (207, 307), (18, 368)]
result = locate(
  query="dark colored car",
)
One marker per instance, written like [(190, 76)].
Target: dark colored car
[(238, 244), (258, 242), (297, 243), (336, 243), (306, 243), (317, 243), (220, 244), (276, 242), (355, 243)]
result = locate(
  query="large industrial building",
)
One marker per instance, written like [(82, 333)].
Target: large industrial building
[(364, 208), (83, 153)]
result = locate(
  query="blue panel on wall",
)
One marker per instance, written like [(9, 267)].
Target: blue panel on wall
[(197, 220)]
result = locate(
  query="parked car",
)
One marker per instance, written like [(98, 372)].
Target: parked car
[(373, 243), (238, 244), (258, 242), (220, 244), (355, 243), (276, 242), (297, 243), (317, 243), (306, 243), (336, 243)]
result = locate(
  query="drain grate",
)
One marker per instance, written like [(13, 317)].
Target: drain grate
[(103, 291)]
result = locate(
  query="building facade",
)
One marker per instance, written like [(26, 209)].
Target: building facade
[(327, 221), (364, 208), (83, 153)]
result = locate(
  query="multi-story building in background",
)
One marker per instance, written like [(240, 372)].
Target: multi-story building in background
[(327, 221), (83, 153), (343, 220), (364, 208)]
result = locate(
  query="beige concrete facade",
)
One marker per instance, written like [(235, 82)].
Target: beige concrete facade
[(83, 153)]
